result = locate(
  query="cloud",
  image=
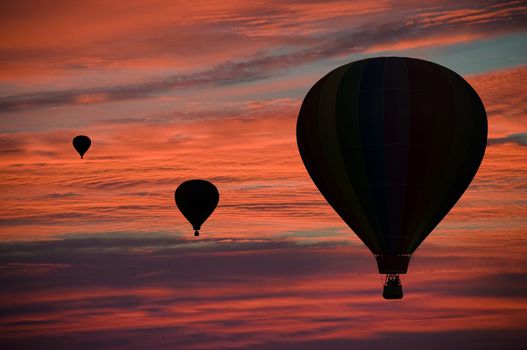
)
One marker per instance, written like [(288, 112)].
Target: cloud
[(470, 340), (520, 139), (505, 99), (428, 29), (227, 73), (249, 151), (61, 195), (162, 338), (152, 290), (472, 15), (10, 145)]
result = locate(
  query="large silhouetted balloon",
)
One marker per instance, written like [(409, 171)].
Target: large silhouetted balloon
[(392, 143), (196, 199), (81, 144)]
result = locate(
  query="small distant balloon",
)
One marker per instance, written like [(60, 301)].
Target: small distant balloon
[(81, 143), (196, 199)]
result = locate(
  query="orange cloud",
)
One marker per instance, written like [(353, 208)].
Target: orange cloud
[(437, 41), (127, 179), (473, 15), (505, 99), (148, 40)]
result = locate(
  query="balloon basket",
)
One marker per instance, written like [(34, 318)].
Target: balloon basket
[(392, 287)]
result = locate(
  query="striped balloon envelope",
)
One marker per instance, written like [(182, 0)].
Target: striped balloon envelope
[(392, 143)]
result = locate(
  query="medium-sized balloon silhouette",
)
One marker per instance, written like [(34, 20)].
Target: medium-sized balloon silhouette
[(82, 144), (196, 199)]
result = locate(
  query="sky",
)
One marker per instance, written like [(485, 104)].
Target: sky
[(95, 255)]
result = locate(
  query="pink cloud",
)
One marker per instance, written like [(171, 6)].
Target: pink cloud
[(128, 177), (139, 44), (240, 294)]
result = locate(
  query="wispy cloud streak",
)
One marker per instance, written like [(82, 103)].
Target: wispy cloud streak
[(234, 293), (427, 29)]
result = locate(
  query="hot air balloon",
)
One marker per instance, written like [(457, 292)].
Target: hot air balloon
[(196, 199), (81, 144), (392, 143)]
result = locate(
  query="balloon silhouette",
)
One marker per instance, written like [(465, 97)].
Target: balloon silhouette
[(196, 199), (81, 144), (392, 143)]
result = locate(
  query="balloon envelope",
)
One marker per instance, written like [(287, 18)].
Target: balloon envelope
[(392, 143), (81, 143), (196, 199)]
